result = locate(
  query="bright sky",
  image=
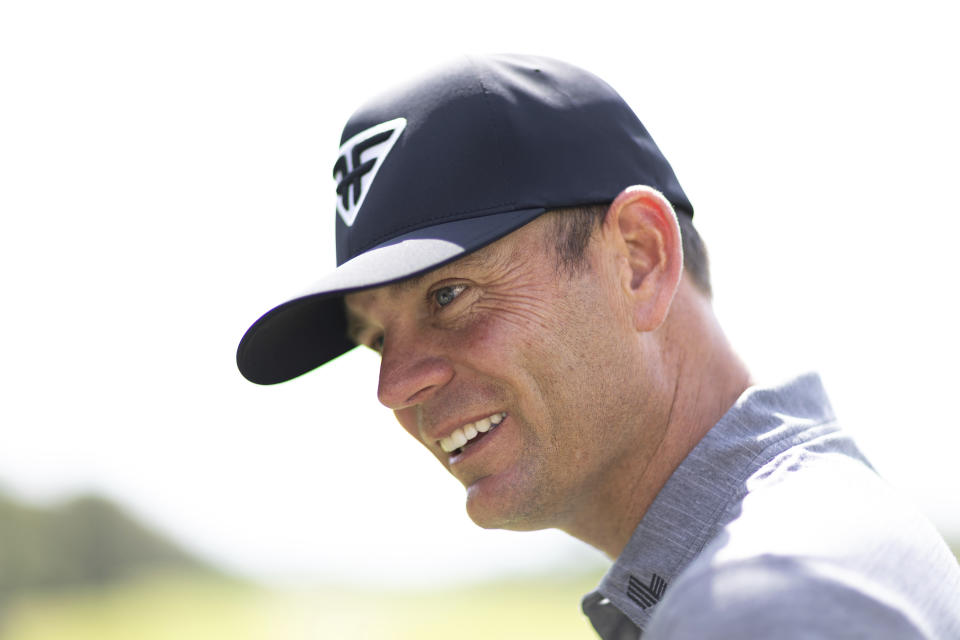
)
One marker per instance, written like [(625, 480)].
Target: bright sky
[(165, 179)]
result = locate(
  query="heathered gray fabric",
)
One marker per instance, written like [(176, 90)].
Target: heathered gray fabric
[(776, 526)]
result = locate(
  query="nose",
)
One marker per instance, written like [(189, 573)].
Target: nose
[(411, 371)]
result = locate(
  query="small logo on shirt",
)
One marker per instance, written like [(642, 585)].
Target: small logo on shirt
[(646, 595), (359, 161)]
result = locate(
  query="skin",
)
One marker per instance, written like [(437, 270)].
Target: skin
[(609, 376)]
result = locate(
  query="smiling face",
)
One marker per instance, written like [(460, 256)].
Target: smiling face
[(524, 383)]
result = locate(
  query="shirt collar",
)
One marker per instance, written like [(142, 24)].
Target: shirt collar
[(689, 510)]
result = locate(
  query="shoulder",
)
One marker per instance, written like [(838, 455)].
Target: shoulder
[(783, 597), (818, 547), (830, 507)]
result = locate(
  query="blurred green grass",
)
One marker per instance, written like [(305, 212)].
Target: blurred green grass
[(194, 606), (186, 606), (84, 569)]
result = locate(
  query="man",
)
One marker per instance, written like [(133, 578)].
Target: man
[(517, 249)]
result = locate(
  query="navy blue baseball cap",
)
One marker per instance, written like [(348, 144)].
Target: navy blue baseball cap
[(446, 164)]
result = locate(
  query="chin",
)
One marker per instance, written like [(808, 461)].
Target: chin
[(499, 512)]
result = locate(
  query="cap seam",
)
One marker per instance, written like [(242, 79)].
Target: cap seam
[(490, 115), (499, 138)]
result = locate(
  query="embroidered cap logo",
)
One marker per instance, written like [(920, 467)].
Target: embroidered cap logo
[(358, 163)]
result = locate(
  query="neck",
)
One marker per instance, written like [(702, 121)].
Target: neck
[(700, 378)]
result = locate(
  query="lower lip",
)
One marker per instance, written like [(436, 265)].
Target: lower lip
[(478, 446)]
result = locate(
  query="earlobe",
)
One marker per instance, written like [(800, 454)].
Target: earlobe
[(643, 228)]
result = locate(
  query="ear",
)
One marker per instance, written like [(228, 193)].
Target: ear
[(642, 229)]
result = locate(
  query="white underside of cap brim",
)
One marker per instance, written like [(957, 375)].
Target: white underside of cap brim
[(419, 251), (303, 333)]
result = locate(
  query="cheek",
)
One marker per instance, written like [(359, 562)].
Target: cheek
[(498, 339)]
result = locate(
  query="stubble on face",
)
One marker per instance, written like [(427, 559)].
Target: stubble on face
[(576, 383), (549, 350)]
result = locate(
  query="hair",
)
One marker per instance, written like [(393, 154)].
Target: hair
[(574, 226)]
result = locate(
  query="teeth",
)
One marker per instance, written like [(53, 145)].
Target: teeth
[(468, 432)]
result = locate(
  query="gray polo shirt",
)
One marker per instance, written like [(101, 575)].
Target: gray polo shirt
[(776, 526)]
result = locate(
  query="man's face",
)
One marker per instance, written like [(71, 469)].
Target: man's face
[(502, 336)]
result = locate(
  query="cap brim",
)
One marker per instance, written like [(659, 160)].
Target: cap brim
[(302, 334)]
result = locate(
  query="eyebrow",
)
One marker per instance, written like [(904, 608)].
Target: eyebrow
[(412, 282)]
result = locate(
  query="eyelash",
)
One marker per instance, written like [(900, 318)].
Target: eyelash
[(457, 288)]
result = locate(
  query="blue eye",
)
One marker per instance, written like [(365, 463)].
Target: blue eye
[(445, 295)]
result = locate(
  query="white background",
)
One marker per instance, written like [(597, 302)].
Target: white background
[(165, 178)]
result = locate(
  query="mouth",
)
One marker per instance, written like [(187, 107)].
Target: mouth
[(467, 435)]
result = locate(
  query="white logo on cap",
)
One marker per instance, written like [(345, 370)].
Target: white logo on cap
[(358, 163)]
